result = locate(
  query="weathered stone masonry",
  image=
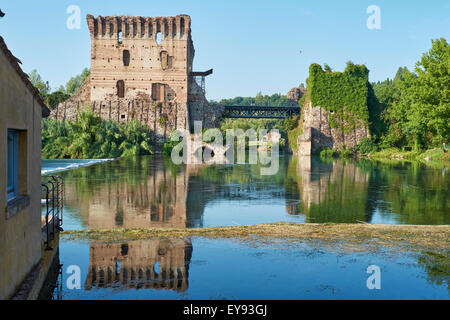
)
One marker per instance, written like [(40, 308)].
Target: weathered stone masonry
[(141, 68), (318, 133)]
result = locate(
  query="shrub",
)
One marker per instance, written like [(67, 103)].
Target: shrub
[(292, 138), (327, 153), (346, 153), (365, 146), (170, 143), (90, 137)]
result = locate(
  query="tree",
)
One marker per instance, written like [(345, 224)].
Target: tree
[(38, 82), (53, 99), (420, 115), (76, 82)]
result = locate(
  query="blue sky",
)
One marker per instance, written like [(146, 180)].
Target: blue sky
[(253, 45)]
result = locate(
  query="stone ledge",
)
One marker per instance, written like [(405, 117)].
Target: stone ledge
[(16, 206)]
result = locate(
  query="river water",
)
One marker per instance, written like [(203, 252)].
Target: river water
[(152, 192)]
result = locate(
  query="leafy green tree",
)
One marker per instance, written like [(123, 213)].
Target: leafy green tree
[(419, 117), (39, 83), (53, 99), (76, 82)]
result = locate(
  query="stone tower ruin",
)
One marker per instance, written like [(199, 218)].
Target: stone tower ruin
[(141, 68)]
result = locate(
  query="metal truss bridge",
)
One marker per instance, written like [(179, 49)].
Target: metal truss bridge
[(260, 112)]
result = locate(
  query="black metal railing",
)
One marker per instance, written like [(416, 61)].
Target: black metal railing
[(261, 112), (53, 195)]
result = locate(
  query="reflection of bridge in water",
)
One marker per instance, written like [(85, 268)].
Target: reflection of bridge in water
[(143, 264)]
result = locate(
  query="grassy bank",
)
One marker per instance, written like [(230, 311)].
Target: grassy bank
[(432, 237), (432, 155)]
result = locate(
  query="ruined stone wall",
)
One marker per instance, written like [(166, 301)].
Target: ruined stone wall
[(140, 70), (201, 110), (318, 133), (295, 94)]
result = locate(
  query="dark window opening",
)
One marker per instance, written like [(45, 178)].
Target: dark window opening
[(166, 29), (120, 86), (182, 28), (150, 29), (134, 29), (164, 60), (174, 29), (158, 92), (13, 163), (126, 58)]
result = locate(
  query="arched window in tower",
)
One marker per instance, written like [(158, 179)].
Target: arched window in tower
[(119, 37), (120, 88), (126, 58)]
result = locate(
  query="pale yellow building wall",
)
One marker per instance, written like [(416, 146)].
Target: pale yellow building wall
[(20, 235)]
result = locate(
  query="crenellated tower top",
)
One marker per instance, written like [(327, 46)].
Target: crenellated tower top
[(127, 27)]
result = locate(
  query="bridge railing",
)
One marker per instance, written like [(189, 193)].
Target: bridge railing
[(267, 112)]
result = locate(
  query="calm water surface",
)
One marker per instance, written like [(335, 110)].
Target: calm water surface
[(151, 192), (198, 268)]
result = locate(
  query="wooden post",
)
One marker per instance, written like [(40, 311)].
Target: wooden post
[(128, 110), (118, 110)]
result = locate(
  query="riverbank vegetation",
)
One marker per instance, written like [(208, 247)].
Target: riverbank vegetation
[(90, 137), (408, 115), (413, 116)]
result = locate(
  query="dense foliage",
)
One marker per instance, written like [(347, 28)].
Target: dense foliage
[(90, 137), (52, 99), (417, 104), (344, 94), (275, 100)]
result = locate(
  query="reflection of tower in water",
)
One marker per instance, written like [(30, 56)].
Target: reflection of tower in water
[(148, 196), (142, 264), (334, 191)]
